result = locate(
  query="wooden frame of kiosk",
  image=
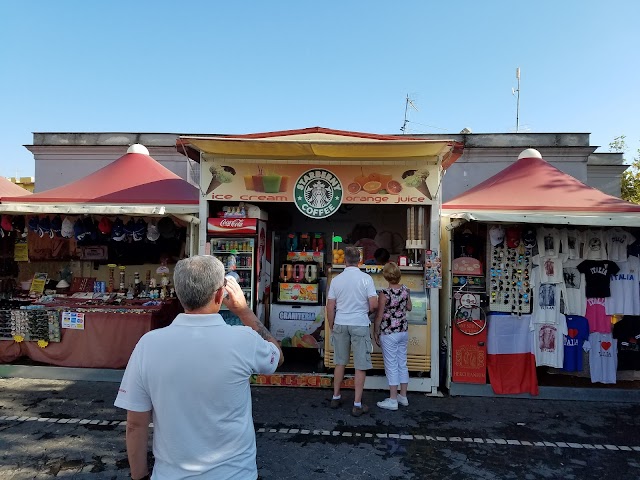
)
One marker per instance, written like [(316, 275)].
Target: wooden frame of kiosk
[(313, 185)]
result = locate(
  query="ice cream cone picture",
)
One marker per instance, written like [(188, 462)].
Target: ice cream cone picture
[(418, 180), (215, 183), (219, 175), (424, 189)]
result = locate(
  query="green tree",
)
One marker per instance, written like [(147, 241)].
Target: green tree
[(630, 181)]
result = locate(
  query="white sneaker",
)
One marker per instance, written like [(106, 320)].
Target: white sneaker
[(404, 401), (388, 404)]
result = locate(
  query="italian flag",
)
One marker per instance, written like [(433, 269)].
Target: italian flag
[(510, 356)]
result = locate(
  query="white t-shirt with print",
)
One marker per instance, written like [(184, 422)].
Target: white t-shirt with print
[(546, 300), (617, 241), (574, 282), (550, 268), (549, 343), (594, 245), (603, 357), (548, 242), (625, 289), (571, 241)]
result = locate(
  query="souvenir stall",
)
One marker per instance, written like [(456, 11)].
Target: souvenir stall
[(93, 263), (282, 206), (543, 282)]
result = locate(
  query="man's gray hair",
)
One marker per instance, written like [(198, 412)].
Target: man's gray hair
[(196, 279), (351, 256)]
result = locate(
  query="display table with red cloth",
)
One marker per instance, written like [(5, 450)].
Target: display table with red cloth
[(107, 341)]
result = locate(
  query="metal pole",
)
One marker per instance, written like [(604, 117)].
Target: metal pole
[(518, 100)]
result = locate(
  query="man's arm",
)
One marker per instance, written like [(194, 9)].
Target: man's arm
[(373, 304), (237, 304), (331, 312), (378, 320), (137, 442)]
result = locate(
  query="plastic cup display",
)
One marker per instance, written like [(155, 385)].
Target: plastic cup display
[(258, 186), (284, 183), (384, 180), (248, 182), (271, 183)]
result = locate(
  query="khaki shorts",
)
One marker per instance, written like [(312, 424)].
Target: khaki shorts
[(357, 339)]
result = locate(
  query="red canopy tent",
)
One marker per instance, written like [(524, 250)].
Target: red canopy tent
[(10, 189), (133, 184), (533, 191)]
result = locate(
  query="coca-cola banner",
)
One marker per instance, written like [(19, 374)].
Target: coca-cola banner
[(225, 180), (232, 226)]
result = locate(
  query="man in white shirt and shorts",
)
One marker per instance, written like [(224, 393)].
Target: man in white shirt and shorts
[(194, 376), (352, 296)]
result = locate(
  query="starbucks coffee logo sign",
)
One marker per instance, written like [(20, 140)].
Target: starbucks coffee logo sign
[(317, 193)]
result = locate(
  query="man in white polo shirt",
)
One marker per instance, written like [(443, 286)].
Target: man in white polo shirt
[(194, 376), (352, 296)]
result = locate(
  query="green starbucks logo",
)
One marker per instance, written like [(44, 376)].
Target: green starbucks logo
[(318, 193)]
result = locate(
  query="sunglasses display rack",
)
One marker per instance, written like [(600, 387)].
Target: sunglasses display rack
[(509, 280), (31, 325)]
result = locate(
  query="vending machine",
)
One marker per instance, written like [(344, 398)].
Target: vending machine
[(241, 245)]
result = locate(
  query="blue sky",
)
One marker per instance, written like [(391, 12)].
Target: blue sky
[(252, 66)]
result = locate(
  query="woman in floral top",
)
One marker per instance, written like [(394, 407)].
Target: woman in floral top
[(391, 334)]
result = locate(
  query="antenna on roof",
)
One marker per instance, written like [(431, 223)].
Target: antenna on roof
[(408, 103), (513, 92)]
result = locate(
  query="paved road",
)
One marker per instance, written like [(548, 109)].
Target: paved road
[(70, 429)]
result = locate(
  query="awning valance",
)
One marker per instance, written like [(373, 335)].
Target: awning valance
[(289, 149)]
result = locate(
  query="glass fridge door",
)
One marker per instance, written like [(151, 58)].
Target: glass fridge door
[(240, 250)]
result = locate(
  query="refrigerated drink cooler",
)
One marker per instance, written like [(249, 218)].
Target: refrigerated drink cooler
[(240, 244), (237, 255)]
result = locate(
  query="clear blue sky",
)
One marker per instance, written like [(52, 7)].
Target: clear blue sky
[(251, 66)]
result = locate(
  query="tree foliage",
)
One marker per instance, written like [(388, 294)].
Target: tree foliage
[(630, 182)]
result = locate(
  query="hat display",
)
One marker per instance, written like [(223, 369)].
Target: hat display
[(496, 235), (117, 230), (513, 235), (105, 226), (152, 232), (66, 230), (167, 228)]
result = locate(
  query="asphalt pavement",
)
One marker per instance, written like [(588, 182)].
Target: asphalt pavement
[(70, 429)]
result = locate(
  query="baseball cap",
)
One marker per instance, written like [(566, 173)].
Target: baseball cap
[(167, 228), (6, 224), (18, 223), (33, 223), (117, 230), (496, 235), (529, 237), (129, 227), (56, 225), (152, 232), (90, 228), (78, 229), (66, 230), (44, 227), (513, 235), (105, 226), (139, 230)]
